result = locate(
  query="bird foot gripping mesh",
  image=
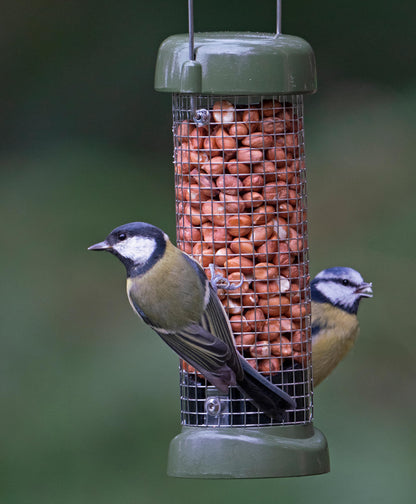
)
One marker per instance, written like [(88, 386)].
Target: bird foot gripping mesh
[(241, 213)]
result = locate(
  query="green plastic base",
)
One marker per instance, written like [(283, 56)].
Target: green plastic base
[(237, 452)]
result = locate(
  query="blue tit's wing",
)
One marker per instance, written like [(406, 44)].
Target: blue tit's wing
[(202, 350)]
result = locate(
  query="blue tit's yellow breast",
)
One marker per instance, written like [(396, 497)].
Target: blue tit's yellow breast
[(170, 295), (334, 334)]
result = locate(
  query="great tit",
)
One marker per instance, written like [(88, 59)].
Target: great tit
[(171, 293), (336, 294)]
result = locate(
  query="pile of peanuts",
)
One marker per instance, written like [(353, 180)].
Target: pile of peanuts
[(241, 206)]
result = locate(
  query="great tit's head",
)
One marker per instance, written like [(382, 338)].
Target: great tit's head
[(341, 287), (138, 245)]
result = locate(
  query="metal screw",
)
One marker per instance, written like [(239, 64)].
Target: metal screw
[(213, 406), (201, 117)]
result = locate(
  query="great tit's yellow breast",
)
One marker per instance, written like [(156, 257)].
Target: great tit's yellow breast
[(337, 333), (170, 294)]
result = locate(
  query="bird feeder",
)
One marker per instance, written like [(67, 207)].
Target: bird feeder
[(241, 212)]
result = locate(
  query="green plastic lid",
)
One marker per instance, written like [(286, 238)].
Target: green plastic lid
[(236, 63)]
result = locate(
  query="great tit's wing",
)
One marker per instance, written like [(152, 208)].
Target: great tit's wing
[(202, 350), (215, 320)]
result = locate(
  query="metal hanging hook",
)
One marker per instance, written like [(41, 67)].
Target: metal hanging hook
[(278, 17), (201, 116), (191, 29)]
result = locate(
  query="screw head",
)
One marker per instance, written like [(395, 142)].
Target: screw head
[(201, 117), (213, 406)]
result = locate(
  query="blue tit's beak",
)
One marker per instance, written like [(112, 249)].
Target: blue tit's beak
[(104, 245), (365, 290)]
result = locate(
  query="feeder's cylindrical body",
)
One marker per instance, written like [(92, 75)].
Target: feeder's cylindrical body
[(241, 213), (241, 207)]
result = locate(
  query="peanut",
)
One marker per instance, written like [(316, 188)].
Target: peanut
[(253, 181), (239, 264), (197, 137), (218, 237), (224, 141), (299, 341), (253, 199), (235, 167), (265, 271), (261, 350), (233, 308), (275, 306), (242, 246), (267, 169), (258, 141), (239, 225), (250, 299), (273, 127), (195, 214), (282, 347), (269, 366), (214, 166), (245, 341), (263, 214), (271, 108), (229, 184), (260, 234), (239, 130), (251, 117), (267, 251), (239, 324), (255, 318), (221, 256), (210, 146), (223, 112), (214, 210), (183, 130), (277, 155), (233, 203), (203, 253), (276, 326), (247, 155)]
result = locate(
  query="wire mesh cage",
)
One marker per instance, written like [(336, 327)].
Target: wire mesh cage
[(241, 212)]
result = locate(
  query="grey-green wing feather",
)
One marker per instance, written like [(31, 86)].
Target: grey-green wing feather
[(204, 352), (215, 321)]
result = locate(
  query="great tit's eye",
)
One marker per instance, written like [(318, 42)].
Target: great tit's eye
[(121, 236)]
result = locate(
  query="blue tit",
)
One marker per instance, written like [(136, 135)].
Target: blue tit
[(171, 293), (336, 294)]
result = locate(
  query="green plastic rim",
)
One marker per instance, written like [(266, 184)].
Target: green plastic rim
[(236, 63), (236, 452)]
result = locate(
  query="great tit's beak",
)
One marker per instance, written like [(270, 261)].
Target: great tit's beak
[(104, 245), (365, 290)]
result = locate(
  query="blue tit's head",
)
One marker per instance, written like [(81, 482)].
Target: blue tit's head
[(341, 287), (138, 245)]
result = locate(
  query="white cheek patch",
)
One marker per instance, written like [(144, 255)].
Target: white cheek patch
[(137, 248), (332, 290), (337, 293)]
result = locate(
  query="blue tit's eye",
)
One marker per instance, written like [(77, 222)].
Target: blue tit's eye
[(345, 282), (121, 236)]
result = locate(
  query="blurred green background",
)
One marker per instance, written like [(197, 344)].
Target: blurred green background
[(90, 397)]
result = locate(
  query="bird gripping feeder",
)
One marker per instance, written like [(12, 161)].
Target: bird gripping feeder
[(240, 183)]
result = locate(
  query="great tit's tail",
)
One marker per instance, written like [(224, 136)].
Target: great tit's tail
[(269, 398)]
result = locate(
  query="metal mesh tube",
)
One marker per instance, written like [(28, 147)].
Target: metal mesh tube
[(241, 212)]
